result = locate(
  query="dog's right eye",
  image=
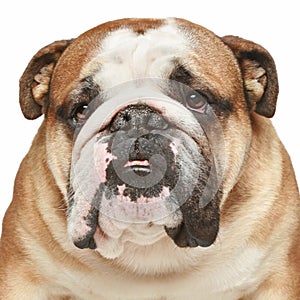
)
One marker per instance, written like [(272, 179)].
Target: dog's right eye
[(80, 114)]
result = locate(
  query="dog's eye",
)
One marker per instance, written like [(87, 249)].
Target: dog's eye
[(80, 114), (195, 100)]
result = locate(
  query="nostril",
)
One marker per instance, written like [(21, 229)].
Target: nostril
[(121, 121), (127, 117)]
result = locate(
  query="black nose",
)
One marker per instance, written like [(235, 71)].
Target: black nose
[(138, 117)]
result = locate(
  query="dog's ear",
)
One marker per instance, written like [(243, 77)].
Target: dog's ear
[(259, 74), (34, 83)]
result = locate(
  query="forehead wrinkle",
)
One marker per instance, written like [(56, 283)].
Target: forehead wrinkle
[(125, 55)]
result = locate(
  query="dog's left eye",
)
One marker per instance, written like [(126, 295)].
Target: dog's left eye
[(195, 100)]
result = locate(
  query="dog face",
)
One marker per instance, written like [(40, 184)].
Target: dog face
[(148, 124)]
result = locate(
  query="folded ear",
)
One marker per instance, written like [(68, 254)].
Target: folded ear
[(34, 83), (259, 74)]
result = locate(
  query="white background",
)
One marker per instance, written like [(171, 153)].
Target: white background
[(27, 26)]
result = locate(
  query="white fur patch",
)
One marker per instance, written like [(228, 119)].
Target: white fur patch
[(102, 159), (125, 55)]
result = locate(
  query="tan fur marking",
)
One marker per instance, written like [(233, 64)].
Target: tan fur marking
[(42, 83), (257, 252)]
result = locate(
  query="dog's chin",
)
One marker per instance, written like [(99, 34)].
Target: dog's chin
[(121, 220), (135, 205), (112, 235)]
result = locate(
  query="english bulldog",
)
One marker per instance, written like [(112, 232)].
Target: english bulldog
[(156, 173)]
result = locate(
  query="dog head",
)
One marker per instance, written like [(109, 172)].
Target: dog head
[(148, 123)]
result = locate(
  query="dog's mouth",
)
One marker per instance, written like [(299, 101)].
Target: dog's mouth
[(139, 167), (141, 170)]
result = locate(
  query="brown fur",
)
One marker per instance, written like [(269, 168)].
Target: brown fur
[(34, 246)]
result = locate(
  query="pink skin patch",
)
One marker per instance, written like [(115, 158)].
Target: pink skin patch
[(79, 227), (174, 148), (102, 160), (143, 210), (200, 110), (143, 200)]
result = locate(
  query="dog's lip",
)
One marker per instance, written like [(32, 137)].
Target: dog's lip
[(137, 163), (140, 166)]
